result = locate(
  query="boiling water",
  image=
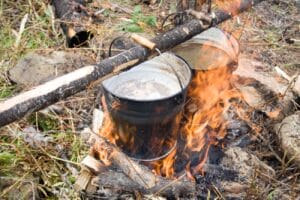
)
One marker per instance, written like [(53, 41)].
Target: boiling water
[(155, 79), (143, 89), (143, 85)]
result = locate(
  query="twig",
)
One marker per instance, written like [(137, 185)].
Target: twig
[(217, 191), (4, 192), (57, 158), (282, 73), (290, 85), (170, 184), (21, 30)]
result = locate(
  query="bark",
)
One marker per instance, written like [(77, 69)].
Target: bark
[(72, 15), (51, 92)]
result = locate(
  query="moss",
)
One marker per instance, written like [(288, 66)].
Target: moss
[(7, 158), (44, 122)]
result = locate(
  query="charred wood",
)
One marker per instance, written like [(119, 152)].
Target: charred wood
[(72, 15), (138, 177), (119, 183)]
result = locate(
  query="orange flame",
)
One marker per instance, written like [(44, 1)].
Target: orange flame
[(205, 111), (165, 167)]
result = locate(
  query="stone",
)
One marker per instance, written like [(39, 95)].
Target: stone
[(38, 67), (235, 172), (35, 138), (296, 87), (254, 69), (246, 164), (234, 187), (288, 132), (98, 117), (262, 89), (252, 96)]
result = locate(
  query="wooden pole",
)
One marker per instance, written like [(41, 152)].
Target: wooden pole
[(62, 87)]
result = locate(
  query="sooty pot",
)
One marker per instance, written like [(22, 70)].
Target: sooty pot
[(145, 105)]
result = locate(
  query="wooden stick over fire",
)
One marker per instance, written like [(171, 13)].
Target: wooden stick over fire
[(62, 87)]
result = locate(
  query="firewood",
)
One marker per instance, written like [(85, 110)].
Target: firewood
[(119, 183), (83, 180), (141, 175), (95, 166), (51, 92)]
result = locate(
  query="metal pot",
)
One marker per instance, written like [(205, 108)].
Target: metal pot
[(210, 49), (145, 104)]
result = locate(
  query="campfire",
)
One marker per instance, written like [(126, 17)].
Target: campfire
[(169, 147), (177, 147), (203, 124)]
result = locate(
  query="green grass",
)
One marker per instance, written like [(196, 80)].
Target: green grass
[(18, 158), (6, 90), (44, 122), (7, 39), (6, 158), (38, 32), (139, 22)]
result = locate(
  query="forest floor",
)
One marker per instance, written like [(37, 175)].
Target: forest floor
[(269, 33)]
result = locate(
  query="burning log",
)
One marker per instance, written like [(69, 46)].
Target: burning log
[(71, 15), (51, 92), (140, 177), (120, 183)]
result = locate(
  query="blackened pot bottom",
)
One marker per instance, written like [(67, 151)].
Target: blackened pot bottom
[(147, 142)]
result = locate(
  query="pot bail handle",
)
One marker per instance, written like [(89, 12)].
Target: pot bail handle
[(173, 70), (152, 46)]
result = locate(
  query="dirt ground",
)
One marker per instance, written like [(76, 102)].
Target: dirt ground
[(269, 33)]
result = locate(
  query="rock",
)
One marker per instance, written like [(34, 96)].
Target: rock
[(234, 174), (246, 164), (35, 138), (250, 68), (296, 87), (251, 96), (261, 89), (234, 187), (38, 67), (288, 132)]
